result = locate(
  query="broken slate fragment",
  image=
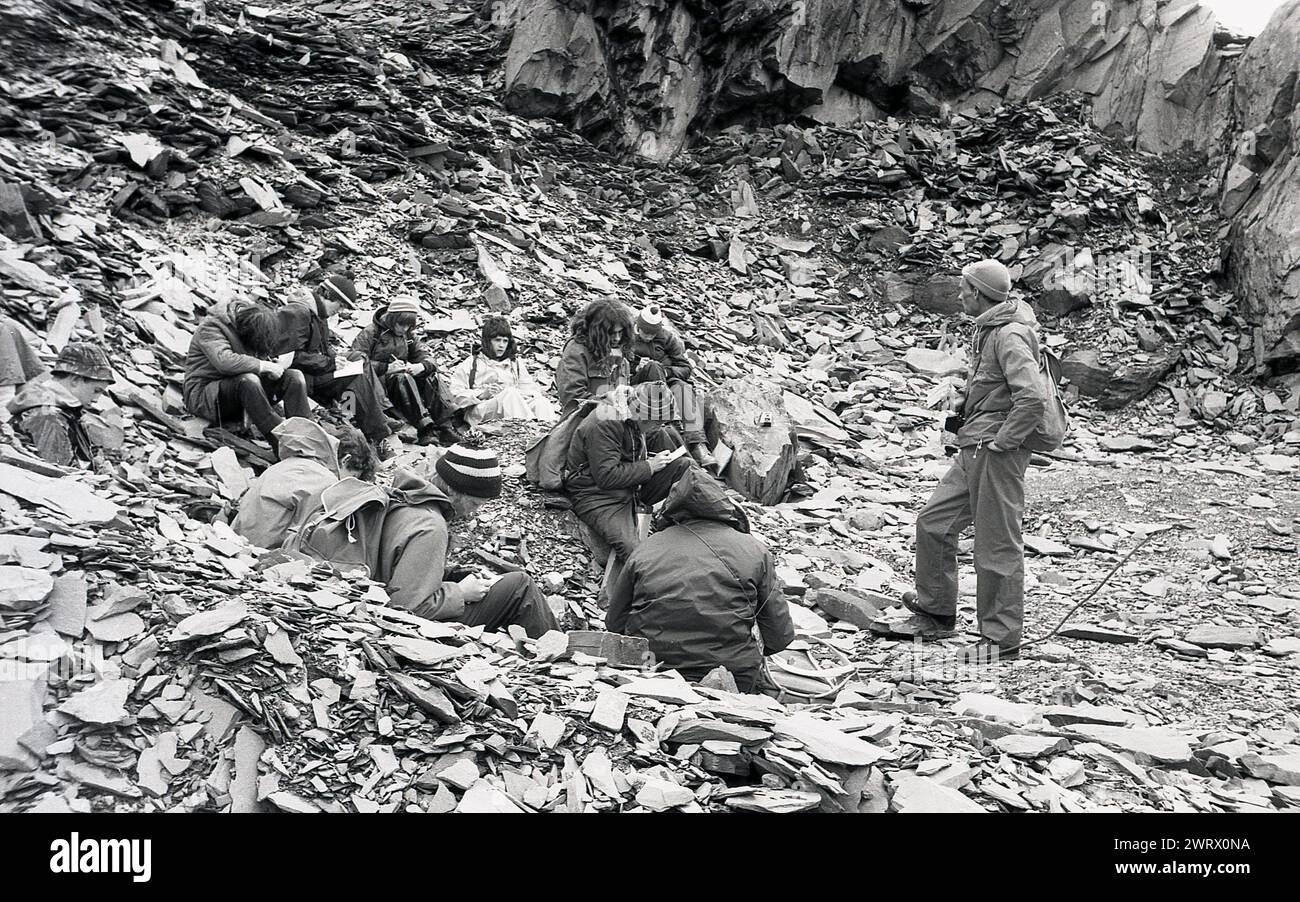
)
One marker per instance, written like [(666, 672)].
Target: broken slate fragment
[(1030, 746), (1098, 634), (922, 795), (1154, 744), (1283, 769), (102, 703), (826, 742), (213, 622), (611, 706), (1231, 637)]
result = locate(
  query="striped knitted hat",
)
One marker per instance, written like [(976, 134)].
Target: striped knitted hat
[(404, 303), (339, 288), (471, 471)]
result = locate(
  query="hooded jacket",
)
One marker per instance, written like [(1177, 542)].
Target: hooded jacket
[(346, 526), (1006, 396), (278, 502), (49, 414), (381, 345), (606, 455), (18, 362), (580, 375), (667, 349), (304, 329), (414, 546), (216, 353), (697, 589)]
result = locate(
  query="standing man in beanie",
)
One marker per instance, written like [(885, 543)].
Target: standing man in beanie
[(48, 409), (228, 372), (406, 369), (416, 542), (620, 456), (304, 330), (1006, 399), (659, 355)]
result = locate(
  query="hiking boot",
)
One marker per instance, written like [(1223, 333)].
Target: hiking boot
[(450, 435), (909, 602), (918, 626), (703, 456), (428, 435), (986, 651)]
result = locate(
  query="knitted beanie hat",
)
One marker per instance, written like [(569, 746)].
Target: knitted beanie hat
[(339, 288), (651, 401), (651, 319), (404, 303), (990, 278), (471, 471)]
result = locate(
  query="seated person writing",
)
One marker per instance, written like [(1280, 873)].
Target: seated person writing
[(494, 384)]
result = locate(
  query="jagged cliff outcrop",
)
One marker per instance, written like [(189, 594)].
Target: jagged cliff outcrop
[(646, 75), (1262, 185)]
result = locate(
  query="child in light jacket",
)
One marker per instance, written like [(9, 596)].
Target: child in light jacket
[(494, 384)]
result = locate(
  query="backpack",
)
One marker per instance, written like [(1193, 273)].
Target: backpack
[(545, 458), (1055, 425), (1051, 432)]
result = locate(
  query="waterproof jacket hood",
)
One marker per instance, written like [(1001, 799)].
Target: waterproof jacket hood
[(280, 501), (411, 488), (304, 438), (44, 391), (698, 496), (1009, 311)]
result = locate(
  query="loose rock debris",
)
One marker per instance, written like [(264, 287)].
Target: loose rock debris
[(166, 163)]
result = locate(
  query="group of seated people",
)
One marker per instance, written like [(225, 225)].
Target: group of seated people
[(701, 589), (237, 367), (321, 499)]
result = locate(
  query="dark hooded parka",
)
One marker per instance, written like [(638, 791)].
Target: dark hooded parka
[(698, 588)]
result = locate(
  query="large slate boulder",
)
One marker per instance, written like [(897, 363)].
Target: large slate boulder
[(763, 457), (1116, 384), (937, 293), (643, 72)]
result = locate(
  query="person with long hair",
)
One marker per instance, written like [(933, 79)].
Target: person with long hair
[(594, 359), (494, 384)]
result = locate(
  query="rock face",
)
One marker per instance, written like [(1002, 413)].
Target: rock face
[(763, 457), (1262, 182), (646, 72)]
